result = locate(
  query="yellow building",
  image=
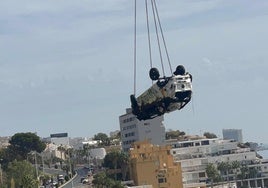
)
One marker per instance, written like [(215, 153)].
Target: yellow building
[(154, 165)]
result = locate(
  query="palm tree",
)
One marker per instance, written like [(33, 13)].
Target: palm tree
[(253, 172), (212, 173), (244, 170), (29, 181), (224, 168), (124, 163), (235, 166), (117, 160), (62, 150)]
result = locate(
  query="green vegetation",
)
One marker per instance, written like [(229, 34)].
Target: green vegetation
[(103, 139), (209, 135), (174, 134), (117, 160), (21, 144), (17, 171), (102, 180), (213, 174), (219, 173), (22, 173)]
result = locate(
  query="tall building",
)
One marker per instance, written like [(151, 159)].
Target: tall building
[(154, 165), (233, 134), (133, 130), (60, 139)]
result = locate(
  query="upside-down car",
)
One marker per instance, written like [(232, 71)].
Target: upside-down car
[(165, 95)]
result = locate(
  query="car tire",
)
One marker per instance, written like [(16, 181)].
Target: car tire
[(180, 70), (154, 74)]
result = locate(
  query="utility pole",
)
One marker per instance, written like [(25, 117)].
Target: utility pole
[(70, 163), (43, 163), (1, 174), (36, 168)]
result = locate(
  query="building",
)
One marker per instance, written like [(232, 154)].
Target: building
[(233, 134), (195, 155), (77, 143), (80, 142), (4, 141), (133, 130), (60, 139), (97, 153), (153, 165), (51, 151)]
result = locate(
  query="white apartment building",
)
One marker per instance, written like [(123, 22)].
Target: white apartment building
[(233, 134), (79, 142), (60, 139), (203, 147), (195, 155), (133, 130)]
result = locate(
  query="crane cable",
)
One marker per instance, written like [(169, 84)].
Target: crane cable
[(135, 44), (163, 38), (157, 35), (148, 33), (157, 25)]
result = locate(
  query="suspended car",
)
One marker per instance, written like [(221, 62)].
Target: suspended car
[(167, 94)]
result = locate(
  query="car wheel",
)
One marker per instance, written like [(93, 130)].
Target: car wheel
[(180, 70), (154, 74)]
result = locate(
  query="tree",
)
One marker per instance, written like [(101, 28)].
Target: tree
[(124, 164), (212, 173), (235, 166), (62, 151), (5, 157), (101, 180), (22, 173), (209, 135), (103, 138), (174, 134), (112, 160), (28, 181), (23, 143), (117, 160), (224, 168), (244, 171), (253, 172), (116, 136)]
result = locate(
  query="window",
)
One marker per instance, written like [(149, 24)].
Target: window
[(202, 174), (205, 142), (129, 134), (162, 180), (128, 120), (188, 144), (142, 155)]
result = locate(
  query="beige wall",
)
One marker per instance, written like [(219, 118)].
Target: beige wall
[(150, 164)]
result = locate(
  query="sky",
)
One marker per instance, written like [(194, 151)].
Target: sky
[(67, 66)]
